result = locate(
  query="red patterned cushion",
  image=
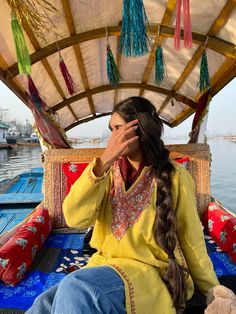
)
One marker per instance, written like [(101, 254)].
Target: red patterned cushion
[(72, 172), (184, 161), (18, 253), (221, 226)]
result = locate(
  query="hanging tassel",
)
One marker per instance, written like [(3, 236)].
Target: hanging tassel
[(133, 39), (112, 71), (34, 95), (22, 52), (204, 82), (159, 66), (67, 77), (187, 25), (177, 25)]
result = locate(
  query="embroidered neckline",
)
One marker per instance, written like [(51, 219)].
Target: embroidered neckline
[(129, 190), (127, 206)]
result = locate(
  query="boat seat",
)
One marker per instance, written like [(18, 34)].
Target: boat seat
[(55, 187), (21, 198), (55, 180)]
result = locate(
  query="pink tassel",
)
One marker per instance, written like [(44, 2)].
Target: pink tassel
[(67, 77), (177, 25), (187, 25), (34, 94)]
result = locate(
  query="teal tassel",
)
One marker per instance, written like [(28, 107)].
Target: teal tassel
[(112, 71), (133, 39), (22, 52), (159, 66), (204, 83)]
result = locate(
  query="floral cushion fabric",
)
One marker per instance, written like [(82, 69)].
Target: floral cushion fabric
[(72, 172), (184, 161), (18, 253), (221, 226)]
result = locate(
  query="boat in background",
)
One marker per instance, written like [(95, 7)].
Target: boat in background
[(19, 196)]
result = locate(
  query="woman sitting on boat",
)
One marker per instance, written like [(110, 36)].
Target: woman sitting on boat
[(148, 236)]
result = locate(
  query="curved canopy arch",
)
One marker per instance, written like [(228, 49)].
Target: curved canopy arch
[(83, 41)]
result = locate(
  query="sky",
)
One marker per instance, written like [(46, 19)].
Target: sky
[(221, 117)]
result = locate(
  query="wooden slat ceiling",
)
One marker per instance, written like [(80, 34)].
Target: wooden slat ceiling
[(164, 31)]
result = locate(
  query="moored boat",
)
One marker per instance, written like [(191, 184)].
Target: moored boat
[(18, 197)]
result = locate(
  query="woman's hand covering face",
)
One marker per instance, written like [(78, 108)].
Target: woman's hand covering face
[(123, 134)]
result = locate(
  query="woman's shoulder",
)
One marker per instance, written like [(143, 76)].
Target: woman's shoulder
[(179, 168), (180, 172)]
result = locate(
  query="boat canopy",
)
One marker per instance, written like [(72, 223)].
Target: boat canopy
[(78, 35)]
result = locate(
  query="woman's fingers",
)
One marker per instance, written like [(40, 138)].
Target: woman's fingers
[(127, 129), (129, 141), (131, 123)]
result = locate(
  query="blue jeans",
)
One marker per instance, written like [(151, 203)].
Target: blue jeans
[(86, 291)]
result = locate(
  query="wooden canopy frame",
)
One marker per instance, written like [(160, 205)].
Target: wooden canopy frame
[(226, 73)]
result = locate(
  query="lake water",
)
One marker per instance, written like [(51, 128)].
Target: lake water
[(223, 167)]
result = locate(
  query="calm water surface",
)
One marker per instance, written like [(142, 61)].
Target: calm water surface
[(223, 167), (19, 159)]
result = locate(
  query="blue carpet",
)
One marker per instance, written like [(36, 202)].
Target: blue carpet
[(70, 248), (22, 296), (222, 263), (65, 241)]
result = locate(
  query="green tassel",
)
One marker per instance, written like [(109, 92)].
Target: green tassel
[(22, 52), (159, 66), (112, 71), (204, 82)]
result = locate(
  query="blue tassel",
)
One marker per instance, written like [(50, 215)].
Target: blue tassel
[(112, 71), (133, 39), (204, 82), (159, 66)]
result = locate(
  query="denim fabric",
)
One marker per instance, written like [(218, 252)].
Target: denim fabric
[(85, 291)]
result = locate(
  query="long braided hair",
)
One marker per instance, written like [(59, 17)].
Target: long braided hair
[(149, 130)]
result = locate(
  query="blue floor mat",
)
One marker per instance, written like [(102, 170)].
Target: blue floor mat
[(60, 254), (222, 263)]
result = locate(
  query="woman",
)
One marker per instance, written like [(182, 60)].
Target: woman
[(148, 236)]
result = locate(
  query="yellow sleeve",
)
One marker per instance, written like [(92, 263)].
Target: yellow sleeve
[(82, 204), (190, 233)]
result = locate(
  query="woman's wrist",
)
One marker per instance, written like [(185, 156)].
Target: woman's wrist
[(103, 164)]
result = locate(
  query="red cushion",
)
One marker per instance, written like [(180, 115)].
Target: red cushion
[(18, 253), (184, 161), (221, 226), (72, 172)]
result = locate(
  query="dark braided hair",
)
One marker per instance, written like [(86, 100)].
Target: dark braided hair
[(164, 227)]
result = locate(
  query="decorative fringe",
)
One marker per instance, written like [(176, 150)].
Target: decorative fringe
[(22, 52), (204, 81), (36, 14), (133, 39), (112, 71), (67, 77), (159, 66), (187, 25), (34, 95), (177, 25)]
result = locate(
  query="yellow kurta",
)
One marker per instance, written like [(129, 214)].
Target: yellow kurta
[(136, 257)]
